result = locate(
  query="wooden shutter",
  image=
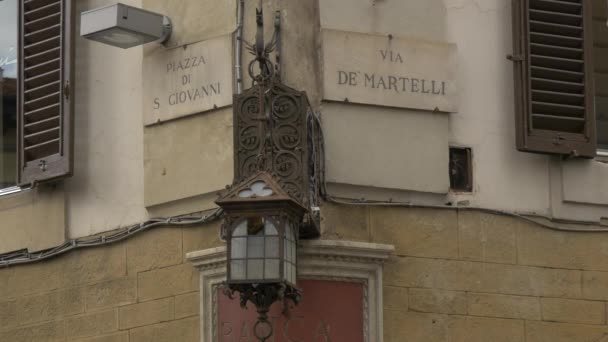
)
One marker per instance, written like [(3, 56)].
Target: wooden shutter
[(45, 118), (554, 77)]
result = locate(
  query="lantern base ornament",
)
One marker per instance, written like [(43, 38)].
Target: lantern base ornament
[(263, 296)]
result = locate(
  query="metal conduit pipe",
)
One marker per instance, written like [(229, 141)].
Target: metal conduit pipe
[(238, 45)]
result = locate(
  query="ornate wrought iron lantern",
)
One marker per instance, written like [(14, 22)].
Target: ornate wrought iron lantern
[(274, 196), (262, 223)]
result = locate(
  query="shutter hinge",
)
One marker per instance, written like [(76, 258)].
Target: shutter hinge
[(66, 90), (515, 58), (558, 140)]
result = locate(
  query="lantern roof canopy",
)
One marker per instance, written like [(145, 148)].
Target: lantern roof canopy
[(260, 190)]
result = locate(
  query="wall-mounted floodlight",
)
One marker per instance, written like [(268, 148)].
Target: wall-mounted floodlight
[(124, 26)]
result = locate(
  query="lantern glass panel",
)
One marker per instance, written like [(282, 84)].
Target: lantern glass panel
[(260, 251), (255, 269), (271, 269), (272, 247), (255, 247), (237, 270), (270, 229), (239, 248), (241, 229)]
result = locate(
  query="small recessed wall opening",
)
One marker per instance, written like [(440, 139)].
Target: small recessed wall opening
[(461, 170)]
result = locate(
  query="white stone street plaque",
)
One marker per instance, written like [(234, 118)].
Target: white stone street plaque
[(389, 71), (187, 80)]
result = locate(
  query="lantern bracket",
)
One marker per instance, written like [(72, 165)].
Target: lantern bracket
[(263, 296)]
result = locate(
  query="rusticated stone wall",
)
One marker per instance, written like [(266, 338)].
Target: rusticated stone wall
[(468, 276), (139, 290), (455, 276)]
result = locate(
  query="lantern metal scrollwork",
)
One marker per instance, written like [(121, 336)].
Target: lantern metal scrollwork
[(273, 200)]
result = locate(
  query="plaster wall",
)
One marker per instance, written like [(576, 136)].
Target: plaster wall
[(503, 177), (106, 190), (125, 172)]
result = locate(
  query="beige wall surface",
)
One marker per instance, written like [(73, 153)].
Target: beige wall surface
[(455, 275), (503, 177), (188, 157), (463, 275), (106, 191), (32, 219), (372, 151), (421, 19), (386, 147), (140, 290)]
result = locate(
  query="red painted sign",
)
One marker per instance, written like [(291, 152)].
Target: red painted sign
[(330, 311)]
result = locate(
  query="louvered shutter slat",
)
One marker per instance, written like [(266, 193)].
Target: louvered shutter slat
[(558, 97), (557, 51), (45, 73), (554, 88), (38, 47), (42, 125), (43, 11), (555, 85), (566, 7), (553, 17), (558, 75), (42, 90)]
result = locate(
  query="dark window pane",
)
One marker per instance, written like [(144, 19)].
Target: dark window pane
[(8, 92)]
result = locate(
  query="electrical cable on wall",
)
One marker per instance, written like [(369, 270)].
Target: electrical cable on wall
[(24, 257), (550, 222)]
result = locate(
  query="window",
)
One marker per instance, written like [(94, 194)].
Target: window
[(35, 65), (8, 93), (556, 67)]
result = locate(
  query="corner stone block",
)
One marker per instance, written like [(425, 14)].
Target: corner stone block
[(48, 332), (147, 313), (438, 301), (185, 330), (92, 324), (504, 306), (25, 279), (8, 314), (418, 327), (165, 282), (478, 329), (416, 232), (482, 277), (573, 311), (156, 248), (595, 285), (111, 293), (341, 221), (187, 305), (544, 247), (117, 337), (562, 332), (395, 298), (486, 237), (196, 238), (49, 306), (92, 265)]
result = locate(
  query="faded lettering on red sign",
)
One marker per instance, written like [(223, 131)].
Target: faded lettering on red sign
[(330, 311)]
